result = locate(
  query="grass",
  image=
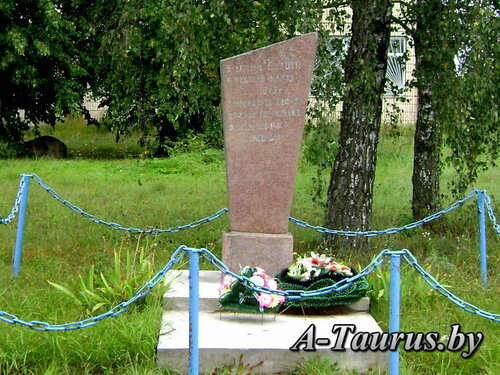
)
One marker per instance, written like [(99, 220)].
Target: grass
[(89, 142), (114, 182)]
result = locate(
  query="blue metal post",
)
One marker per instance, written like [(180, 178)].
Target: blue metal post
[(194, 267), (395, 294), (482, 237), (20, 225)]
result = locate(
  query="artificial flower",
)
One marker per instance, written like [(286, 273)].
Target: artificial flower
[(225, 286), (233, 290), (265, 300), (271, 283), (257, 280), (310, 268)]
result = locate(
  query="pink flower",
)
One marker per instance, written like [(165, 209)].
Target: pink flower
[(228, 279), (225, 286), (265, 300)]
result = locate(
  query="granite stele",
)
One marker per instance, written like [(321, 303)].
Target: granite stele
[(264, 100)]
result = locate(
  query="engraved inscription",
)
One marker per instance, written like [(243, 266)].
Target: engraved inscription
[(263, 117), (271, 90), (270, 137), (271, 78)]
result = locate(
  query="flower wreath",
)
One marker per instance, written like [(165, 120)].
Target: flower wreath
[(234, 295), (316, 272)]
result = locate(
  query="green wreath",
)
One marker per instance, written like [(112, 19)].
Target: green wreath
[(317, 271), (353, 293)]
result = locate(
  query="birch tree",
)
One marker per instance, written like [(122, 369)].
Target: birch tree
[(350, 193)]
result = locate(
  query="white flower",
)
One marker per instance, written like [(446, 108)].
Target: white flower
[(319, 259), (259, 272), (259, 281), (271, 283)]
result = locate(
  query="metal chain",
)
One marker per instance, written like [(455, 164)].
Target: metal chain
[(112, 225), (290, 294), (17, 202), (115, 311), (295, 294), (491, 214), (345, 283), (373, 233), (429, 279)]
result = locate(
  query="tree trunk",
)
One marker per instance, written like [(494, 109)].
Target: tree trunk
[(430, 60), (426, 169), (350, 193)]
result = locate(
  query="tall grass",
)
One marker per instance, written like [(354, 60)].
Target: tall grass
[(158, 193)]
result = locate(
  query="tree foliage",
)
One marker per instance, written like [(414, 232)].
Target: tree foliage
[(160, 60), (155, 64), (46, 49), (457, 51), (470, 109), (458, 105)]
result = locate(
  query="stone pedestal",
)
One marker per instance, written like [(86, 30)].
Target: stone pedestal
[(273, 252), (225, 337)]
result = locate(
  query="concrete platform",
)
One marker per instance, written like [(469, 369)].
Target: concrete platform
[(224, 337)]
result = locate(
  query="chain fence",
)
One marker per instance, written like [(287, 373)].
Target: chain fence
[(114, 312), (290, 294), (434, 284), (98, 220), (216, 215), (17, 202), (373, 233), (491, 214), (395, 256)]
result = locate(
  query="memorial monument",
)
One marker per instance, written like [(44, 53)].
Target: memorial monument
[(264, 99)]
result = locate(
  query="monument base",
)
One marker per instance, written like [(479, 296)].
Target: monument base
[(265, 340), (273, 251), (225, 338)]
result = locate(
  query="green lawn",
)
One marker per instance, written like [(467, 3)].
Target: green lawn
[(115, 183)]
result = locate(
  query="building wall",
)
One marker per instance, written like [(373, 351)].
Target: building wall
[(408, 109), (93, 107)]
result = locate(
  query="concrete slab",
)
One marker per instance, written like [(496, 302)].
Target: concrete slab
[(177, 297), (224, 337)]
